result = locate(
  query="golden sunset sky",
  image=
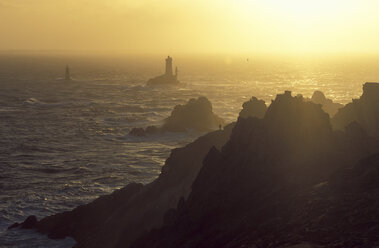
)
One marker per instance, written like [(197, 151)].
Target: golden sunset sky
[(191, 26)]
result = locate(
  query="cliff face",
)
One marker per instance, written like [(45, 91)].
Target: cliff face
[(364, 111), (283, 180), (279, 182), (118, 219)]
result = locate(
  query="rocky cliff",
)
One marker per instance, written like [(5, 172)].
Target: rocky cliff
[(118, 219), (285, 180), (364, 111)]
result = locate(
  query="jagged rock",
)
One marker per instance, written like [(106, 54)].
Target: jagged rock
[(118, 219), (327, 104), (272, 185), (29, 223), (364, 111), (253, 108), (287, 179)]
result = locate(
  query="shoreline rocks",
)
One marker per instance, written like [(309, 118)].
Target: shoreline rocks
[(285, 180)]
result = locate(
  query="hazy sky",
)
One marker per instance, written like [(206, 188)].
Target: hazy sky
[(186, 26)]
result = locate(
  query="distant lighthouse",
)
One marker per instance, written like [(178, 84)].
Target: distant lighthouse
[(169, 78), (67, 76), (169, 66)]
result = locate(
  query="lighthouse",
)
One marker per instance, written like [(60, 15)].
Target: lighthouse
[(169, 66), (168, 78), (67, 76)]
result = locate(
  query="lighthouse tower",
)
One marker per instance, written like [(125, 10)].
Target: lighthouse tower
[(168, 78), (67, 76), (169, 66)]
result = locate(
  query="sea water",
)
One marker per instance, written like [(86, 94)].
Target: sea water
[(64, 143)]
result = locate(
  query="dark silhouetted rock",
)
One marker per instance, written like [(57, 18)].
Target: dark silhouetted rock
[(29, 223), (287, 180), (196, 114), (364, 111), (118, 219), (253, 108), (15, 225), (137, 131), (274, 184), (327, 104)]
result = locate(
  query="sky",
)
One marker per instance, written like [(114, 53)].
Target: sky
[(191, 26)]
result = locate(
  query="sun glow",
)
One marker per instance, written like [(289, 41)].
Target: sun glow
[(172, 26), (307, 26)]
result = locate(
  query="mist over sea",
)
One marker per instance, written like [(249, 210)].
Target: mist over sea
[(63, 144)]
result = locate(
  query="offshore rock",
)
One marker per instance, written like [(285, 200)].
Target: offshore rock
[(166, 79), (196, 114)]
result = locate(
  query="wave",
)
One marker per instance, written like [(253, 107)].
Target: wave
[(35, 102)]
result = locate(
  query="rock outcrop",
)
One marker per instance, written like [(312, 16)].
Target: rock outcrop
[(196, 114), (364, 111), (253, 108), (328, 105), (118, 219), (281, 181), (286, 180)]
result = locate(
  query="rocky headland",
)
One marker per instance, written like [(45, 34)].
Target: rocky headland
[(364, 111), (287, 179), (284, 178)]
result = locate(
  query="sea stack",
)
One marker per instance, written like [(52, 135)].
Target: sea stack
[(168, 78), (67, 76)]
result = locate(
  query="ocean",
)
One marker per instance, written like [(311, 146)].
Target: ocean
[(62, 144)]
